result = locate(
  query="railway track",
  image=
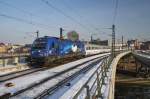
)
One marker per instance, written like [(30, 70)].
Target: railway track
[(17, 74), (34, 85), (64, 82), (49, 80)]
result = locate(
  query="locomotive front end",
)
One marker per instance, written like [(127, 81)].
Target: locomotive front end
[(39, 50)]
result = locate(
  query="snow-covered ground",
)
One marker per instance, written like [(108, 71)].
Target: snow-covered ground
[(25, 81), (13, 68), (78, 87), (96, 51), (72, 92), (38, 89), (67, 92)]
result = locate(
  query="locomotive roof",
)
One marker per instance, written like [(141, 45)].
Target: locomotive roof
[(50, 37), (56, 38)]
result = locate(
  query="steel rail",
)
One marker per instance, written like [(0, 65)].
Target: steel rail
[(17, 74), (51, 77), (63, 82)]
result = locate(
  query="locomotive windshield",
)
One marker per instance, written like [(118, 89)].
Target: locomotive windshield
[(39, 44)]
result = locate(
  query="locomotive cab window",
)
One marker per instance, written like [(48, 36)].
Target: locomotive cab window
[(39, 44)]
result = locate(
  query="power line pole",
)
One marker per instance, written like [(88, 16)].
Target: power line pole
[(113, 41), (61, 33), (37, 34)]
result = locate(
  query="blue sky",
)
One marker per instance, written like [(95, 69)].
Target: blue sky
[(132, 19)]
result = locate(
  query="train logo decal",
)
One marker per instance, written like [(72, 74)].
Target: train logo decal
[(74, 48)]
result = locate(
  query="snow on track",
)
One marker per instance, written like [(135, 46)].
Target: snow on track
[(25, 81), (76, 87), (52, 82), (12, 68), (65, 89)]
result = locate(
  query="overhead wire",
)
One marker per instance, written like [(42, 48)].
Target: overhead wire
[(43, 25), (23, 20), (65, 14), (81, 17), (15, 18), (12, 6), (70, 8), (31, 14)]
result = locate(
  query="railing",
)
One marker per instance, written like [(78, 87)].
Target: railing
[(95, 90), (98, 82), (94, 85)]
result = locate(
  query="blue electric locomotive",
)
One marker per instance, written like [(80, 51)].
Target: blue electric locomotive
[(47, 49)]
